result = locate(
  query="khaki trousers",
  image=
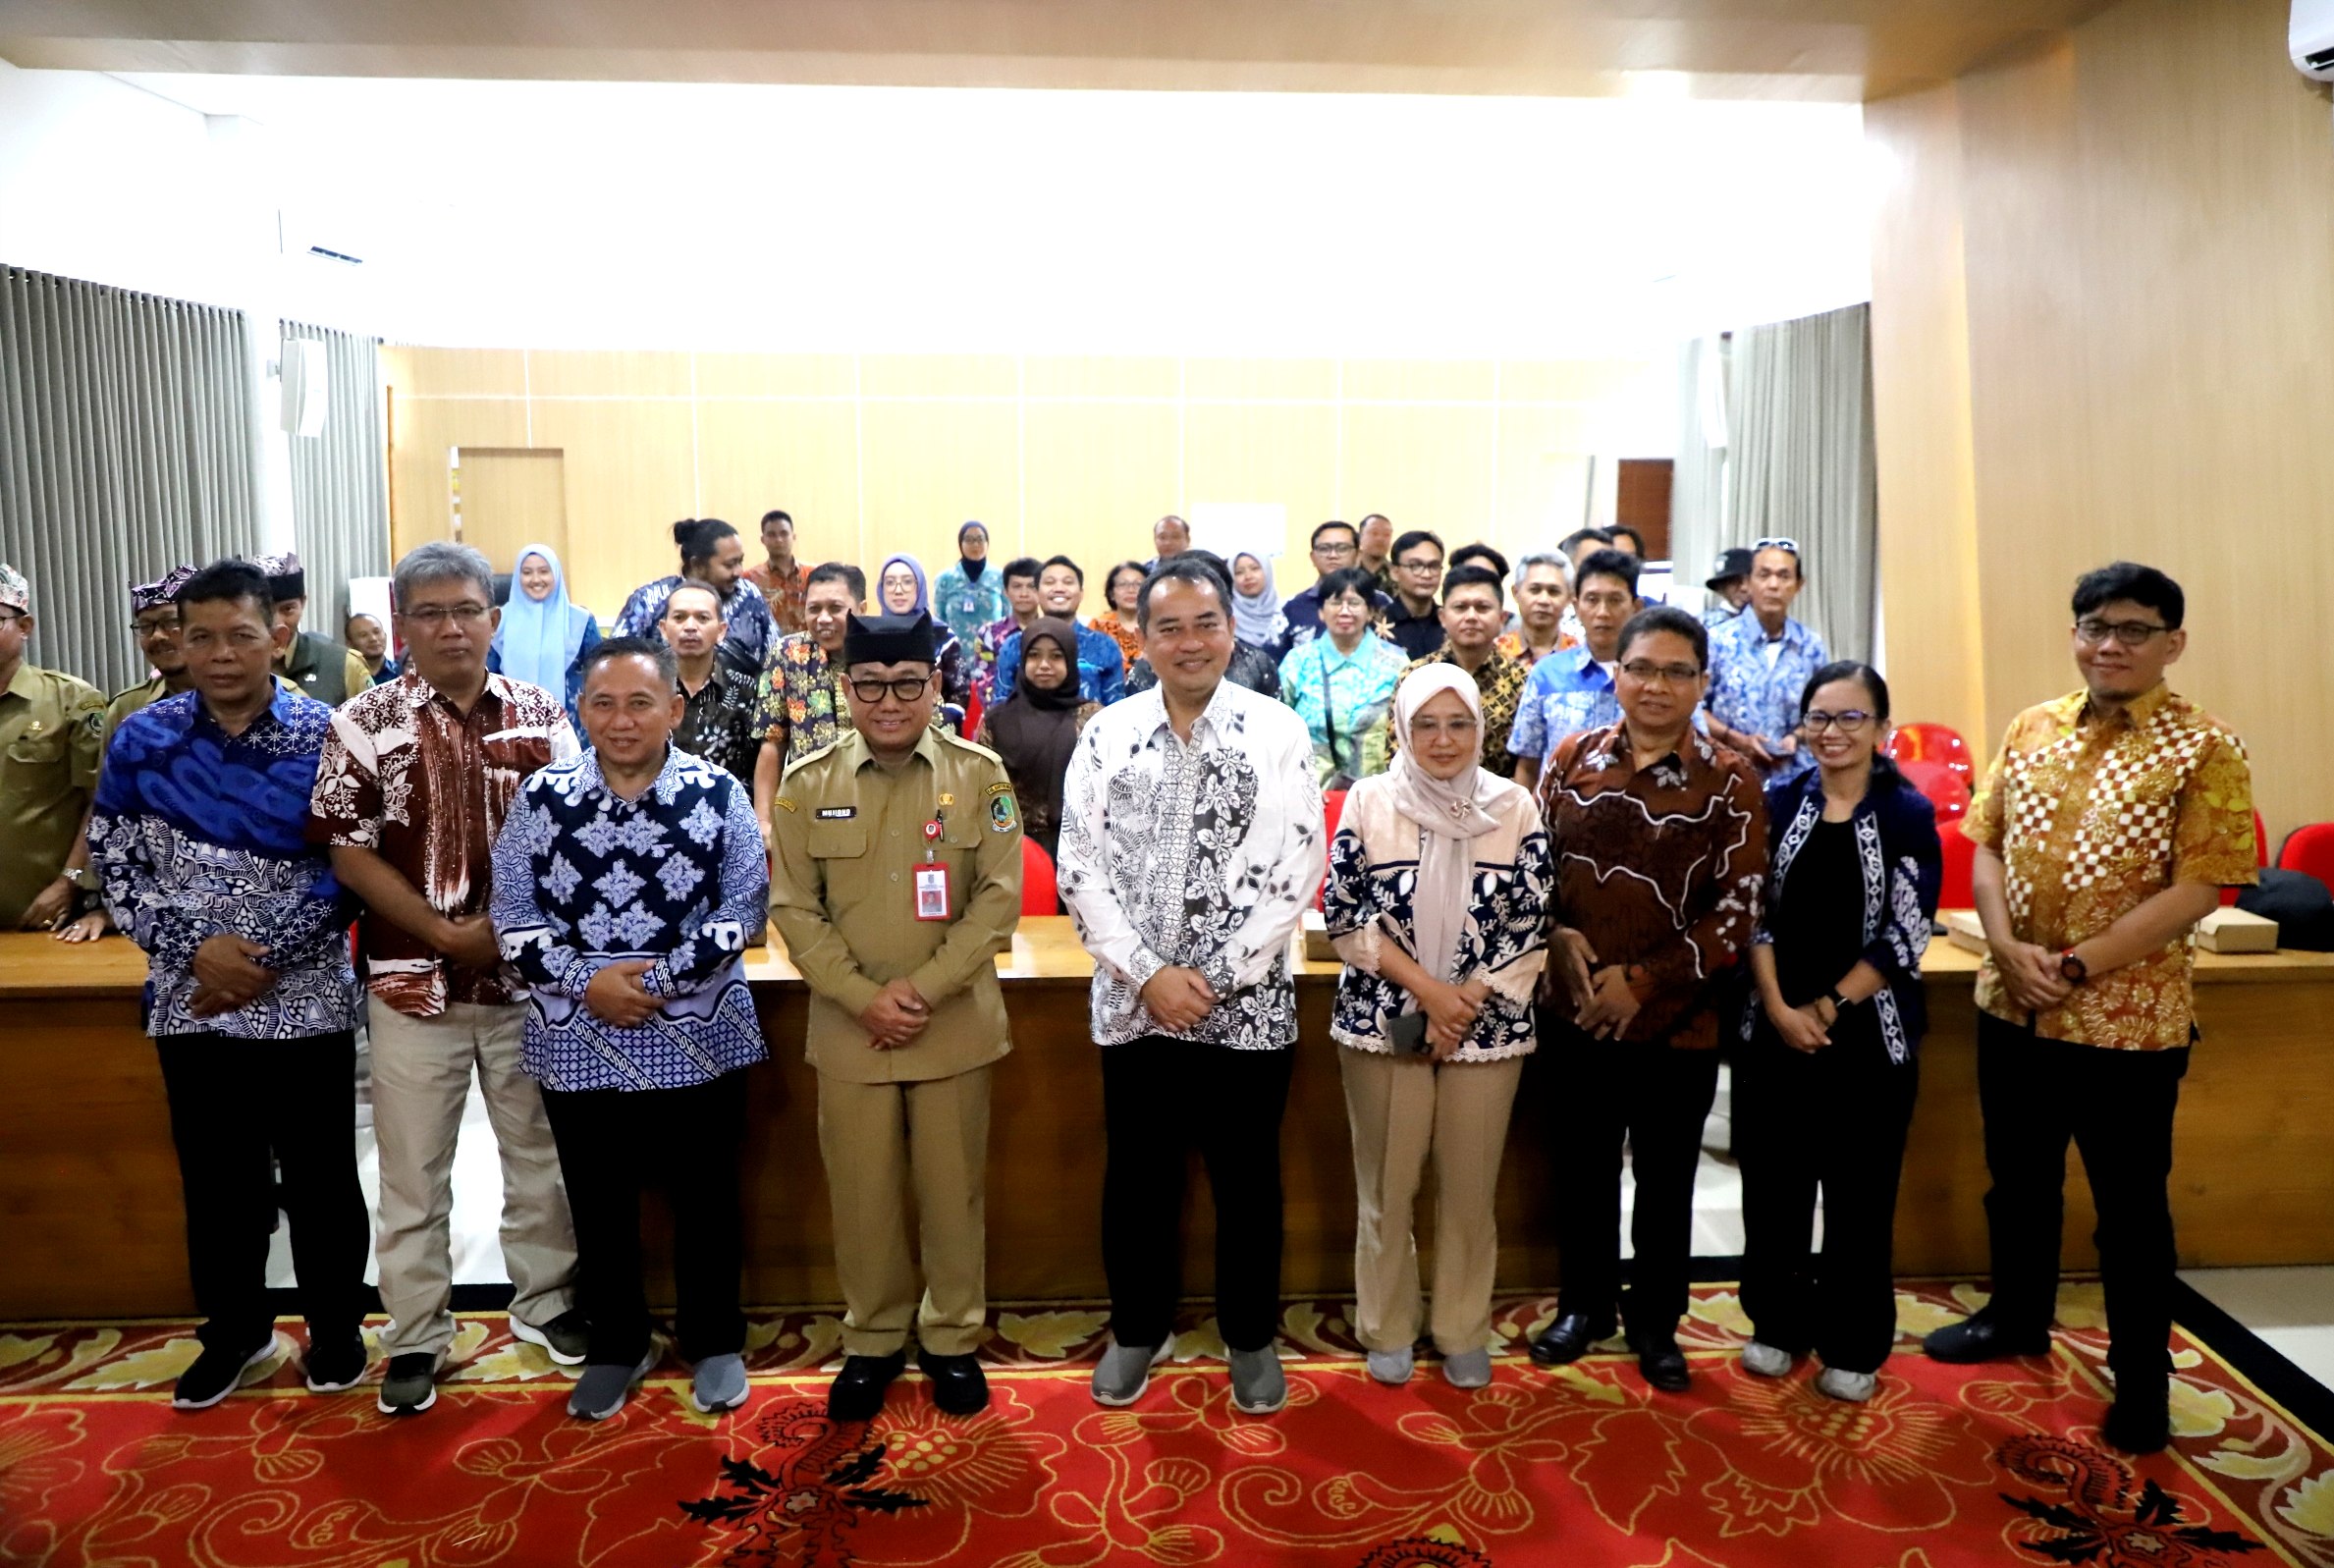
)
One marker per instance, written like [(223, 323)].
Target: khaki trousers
[(876, 1138), (421, 1078), (1402, 1109)]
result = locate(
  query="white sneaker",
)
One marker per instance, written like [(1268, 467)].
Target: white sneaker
[(1853, 1387), (1762, 1360)]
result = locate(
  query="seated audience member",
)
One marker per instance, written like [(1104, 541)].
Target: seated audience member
[(316, 667), (1333, 549), (1543, 602), (368, 639), (1116, 618), (1760, 664), (1472, 612), (412, 787), (1341, 684), (1101, 668), (1170, 535), (199, 835), (710, 552), (2108, 823), (781, 579), (1574, 689), (1021, 608), (1191, 841), (1659, 843), (624, 883), (51, 728), (1413, 621), (1628, 540), (543, 636), (1036, 728), (901, 591), (1257, 620), (970, 595), (1730, 585), (1823, 1082), (719, 685), (1251, 667), (1374, 551), (802, 707), (1437, 900)]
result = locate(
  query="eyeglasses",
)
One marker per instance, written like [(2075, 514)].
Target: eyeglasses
[(1426, 729), (1420, 566), (908, 688), (1791, 545), (1336, 552), (433, 615), (9, 621), (1646, 673), (2130, 633), (1815, 719)]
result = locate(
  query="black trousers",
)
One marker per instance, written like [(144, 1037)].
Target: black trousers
[(614, 1144), (1832, 1121), (2117, 1106), (1654, 1097), (237, 1110), (1160, 1097)]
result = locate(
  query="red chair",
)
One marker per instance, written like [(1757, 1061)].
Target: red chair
[(1039, 894), (1960, 855), (972, 713), (1333, 808), (2260, 858), (1933, 742), (2309, 849), (1947, 791)]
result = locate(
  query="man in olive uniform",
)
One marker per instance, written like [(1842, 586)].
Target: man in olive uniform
[(50, 731), (898, 877), (316, 667)]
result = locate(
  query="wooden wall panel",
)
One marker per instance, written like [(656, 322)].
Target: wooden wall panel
[(594, 373), (1261, 452), (1100, 376), (630, 476), (1420, 380), (802, 456), (425, 429), (1099, 475), (776, 375), (1424, 468), (933, 375), (1261, 378), (929, 467), (454, 372)]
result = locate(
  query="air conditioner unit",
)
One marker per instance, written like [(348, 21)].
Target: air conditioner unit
[(2311, 40)]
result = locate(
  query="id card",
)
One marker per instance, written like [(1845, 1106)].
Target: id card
[(931, 892)]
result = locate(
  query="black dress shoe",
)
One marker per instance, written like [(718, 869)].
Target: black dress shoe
[(1981, 1337), (957, 1385), (857, 1392), (1661, 1362), (2138, 1424), (1571, 1337)]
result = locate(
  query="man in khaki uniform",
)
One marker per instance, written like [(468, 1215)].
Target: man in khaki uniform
[(898, 877), (50, 728)]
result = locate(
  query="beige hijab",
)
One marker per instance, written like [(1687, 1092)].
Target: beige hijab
[(1449, 813)]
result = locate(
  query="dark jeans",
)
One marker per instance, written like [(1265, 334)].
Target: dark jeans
[(1656, 1097), (1160, 1097), (613, 1145), (1834, 1119), (237, 1110), (2117, 1106)]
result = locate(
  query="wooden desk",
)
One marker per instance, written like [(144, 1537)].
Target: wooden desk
[(89, 1195)]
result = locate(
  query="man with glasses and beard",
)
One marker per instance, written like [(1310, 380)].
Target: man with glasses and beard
[(1759, 663), (899, 881)]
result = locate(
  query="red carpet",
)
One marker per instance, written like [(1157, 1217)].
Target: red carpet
[(1577, 1467)]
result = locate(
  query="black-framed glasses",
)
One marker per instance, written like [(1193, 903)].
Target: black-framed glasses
[(12, 619), (1420, 566), (908, 688), (2130, 633), (1644, 673), (1335, 551), (1849, 721), (462, 614)]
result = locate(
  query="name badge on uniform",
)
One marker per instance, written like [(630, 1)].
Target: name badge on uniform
[(932, 891)]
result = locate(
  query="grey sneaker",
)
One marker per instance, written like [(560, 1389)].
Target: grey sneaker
[(1258, 1386), (409, 1384), (1124, 1372), (718, 1384), (1392, 1366), (1469, 1369), (1853, 1387), (606, 1385), (1762, 1360), (564, 1338)]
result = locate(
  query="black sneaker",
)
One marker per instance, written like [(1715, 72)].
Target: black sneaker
[(410, 1384), (564, 1338), (336, 1363), (216, 1374)]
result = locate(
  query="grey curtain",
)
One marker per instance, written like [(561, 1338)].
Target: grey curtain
[(125, 450), (1698, 486), (340, 483), (1800, 465)]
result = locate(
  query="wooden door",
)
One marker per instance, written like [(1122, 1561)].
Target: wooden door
[(507, 498)]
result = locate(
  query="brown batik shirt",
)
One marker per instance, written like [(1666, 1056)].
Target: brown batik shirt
[(411, 777), (1662, 867)]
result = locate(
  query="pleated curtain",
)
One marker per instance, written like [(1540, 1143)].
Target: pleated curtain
[(1698, 486), (339, 482), (1800, 462), (125, 450)]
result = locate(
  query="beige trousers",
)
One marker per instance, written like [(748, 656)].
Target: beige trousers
[(421, 1078), (1402, 1109), (877, 1137)]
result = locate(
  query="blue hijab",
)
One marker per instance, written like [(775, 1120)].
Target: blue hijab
[(538, 639), (923, 588)]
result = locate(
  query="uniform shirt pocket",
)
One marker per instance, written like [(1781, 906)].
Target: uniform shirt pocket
[(835, 840)]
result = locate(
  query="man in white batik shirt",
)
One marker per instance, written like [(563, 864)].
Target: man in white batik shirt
[(1191, 841)]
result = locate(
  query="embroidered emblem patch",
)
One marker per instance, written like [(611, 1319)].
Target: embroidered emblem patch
[(1000, 809)]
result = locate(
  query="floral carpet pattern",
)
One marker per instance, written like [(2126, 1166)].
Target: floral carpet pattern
[(1580, 1465)]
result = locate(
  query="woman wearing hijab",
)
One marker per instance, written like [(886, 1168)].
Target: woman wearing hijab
[(1257, 620), (901, 590), (1437, 898), (969, 596), (1117, 618), (543, 638), (1036, 728)]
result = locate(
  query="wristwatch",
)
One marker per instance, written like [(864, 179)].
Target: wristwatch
[(1839, 1003), (2072, 970), (81, 877)]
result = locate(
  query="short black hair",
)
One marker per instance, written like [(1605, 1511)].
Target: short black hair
[(1110, 581), (1635, 538), (841, 571), (1314, 541), (1847, 670), (1022, 566), (702, 586), (1189, 566), (1479, 552), (1064, 560), (699, 537), (657, 652), (1474, 577), (1411, 541), (2142, 585), (1667, 617), (1351, 579), (1607, 564), (778, 515), (1577, 536), (229, 582)]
